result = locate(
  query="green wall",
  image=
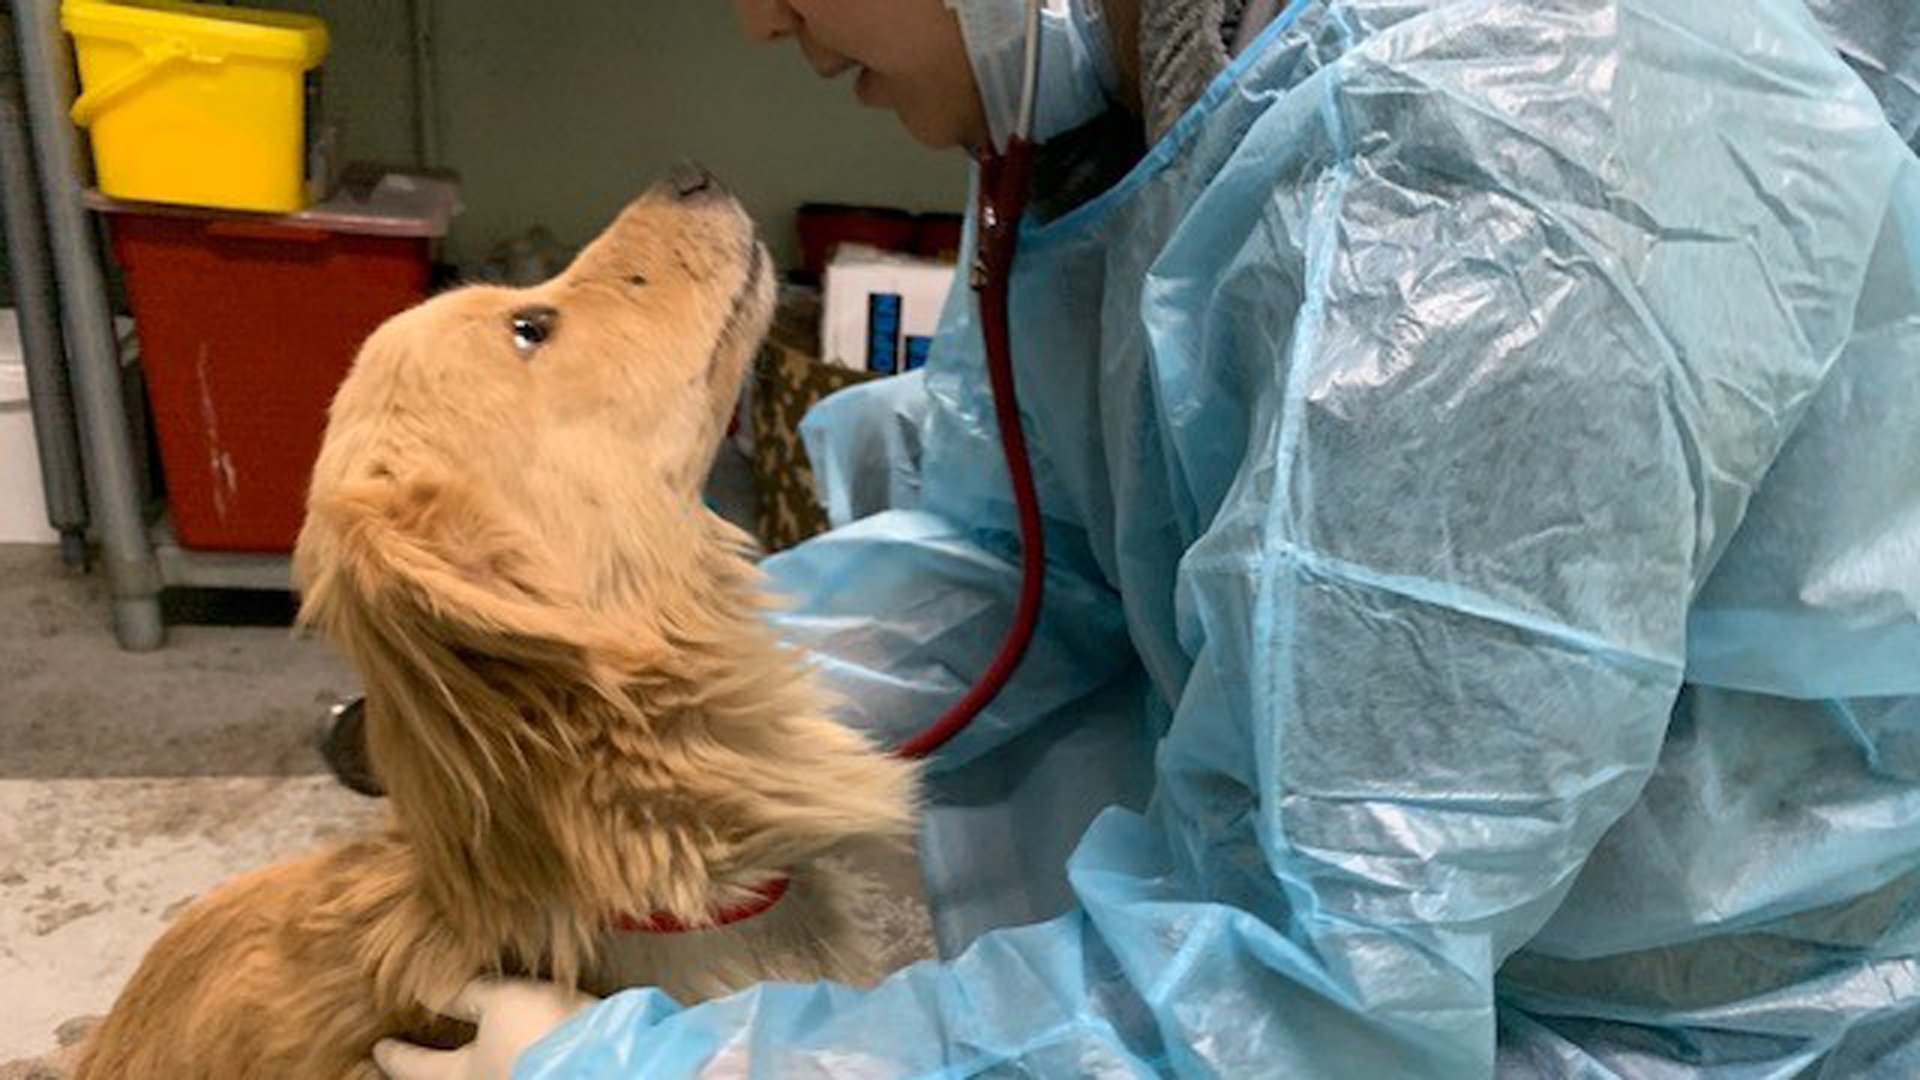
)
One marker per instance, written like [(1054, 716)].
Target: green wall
[(556, 113)]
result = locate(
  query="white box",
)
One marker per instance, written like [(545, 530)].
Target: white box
[(23, 501), (856, 274)]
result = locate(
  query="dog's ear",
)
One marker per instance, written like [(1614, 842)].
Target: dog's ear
[(427, 564), (477, 652)]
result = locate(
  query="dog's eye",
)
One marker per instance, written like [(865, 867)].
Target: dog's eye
[(533, 327), (636, 279)]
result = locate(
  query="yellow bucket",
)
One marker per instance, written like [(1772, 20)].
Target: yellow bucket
[(196, 104)]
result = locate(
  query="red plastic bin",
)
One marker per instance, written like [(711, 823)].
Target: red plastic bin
[(247, 326)]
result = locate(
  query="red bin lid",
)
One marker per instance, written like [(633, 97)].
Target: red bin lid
[(396, 204)]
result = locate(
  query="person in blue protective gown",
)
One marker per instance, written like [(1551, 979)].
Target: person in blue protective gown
[(1480, 450)]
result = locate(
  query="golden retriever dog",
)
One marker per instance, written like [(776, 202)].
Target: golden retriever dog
[(604, 768)]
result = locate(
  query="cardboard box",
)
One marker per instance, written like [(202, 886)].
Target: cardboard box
[(881, 309)]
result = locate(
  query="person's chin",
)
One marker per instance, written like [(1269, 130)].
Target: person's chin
[(936, 139), (935, 130)]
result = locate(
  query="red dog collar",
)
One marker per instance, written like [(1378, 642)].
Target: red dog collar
[(759, 903)]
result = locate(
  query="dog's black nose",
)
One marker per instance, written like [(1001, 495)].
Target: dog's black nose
[(690, 180)]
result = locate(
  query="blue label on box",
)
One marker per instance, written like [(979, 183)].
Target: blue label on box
[(918, 349), (885, 312)]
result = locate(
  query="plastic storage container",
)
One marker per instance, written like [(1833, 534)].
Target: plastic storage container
[(247, 325), (197, 104), (23, 504)]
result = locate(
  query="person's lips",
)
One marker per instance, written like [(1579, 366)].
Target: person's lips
[(825, 62)]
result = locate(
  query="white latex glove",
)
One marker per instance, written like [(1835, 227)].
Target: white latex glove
[(512, 1014)]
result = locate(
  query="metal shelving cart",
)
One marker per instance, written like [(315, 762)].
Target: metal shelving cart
[(93, 460), (95, 469)]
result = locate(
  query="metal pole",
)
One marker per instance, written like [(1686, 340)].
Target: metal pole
[(426, 96), (50, 388), (113, 478)]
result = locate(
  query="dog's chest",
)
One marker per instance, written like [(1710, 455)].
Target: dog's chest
[(688, 966), (805, 937)]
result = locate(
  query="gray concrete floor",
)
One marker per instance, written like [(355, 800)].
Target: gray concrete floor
[(131, 784)]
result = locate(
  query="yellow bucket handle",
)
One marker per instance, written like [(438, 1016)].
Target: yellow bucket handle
[(155, 58)]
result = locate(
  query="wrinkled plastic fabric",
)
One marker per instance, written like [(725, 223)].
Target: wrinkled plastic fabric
[(1484, 494), (869, 443), (1881, 39)]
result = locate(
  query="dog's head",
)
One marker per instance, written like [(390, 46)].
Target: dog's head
[(509, 473), (512, 452), (572, 699)]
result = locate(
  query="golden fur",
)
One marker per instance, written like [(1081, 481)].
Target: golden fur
[(573, 699)]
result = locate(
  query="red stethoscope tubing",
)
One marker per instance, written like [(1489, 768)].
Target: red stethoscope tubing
[(1004, 182)]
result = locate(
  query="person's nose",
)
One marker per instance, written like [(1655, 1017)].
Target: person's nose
[(766, 20)]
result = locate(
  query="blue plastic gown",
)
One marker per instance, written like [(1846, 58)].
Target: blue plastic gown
[(1481, 446), (1881, 39)]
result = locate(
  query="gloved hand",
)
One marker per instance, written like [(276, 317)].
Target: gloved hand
[(512, 1014)]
